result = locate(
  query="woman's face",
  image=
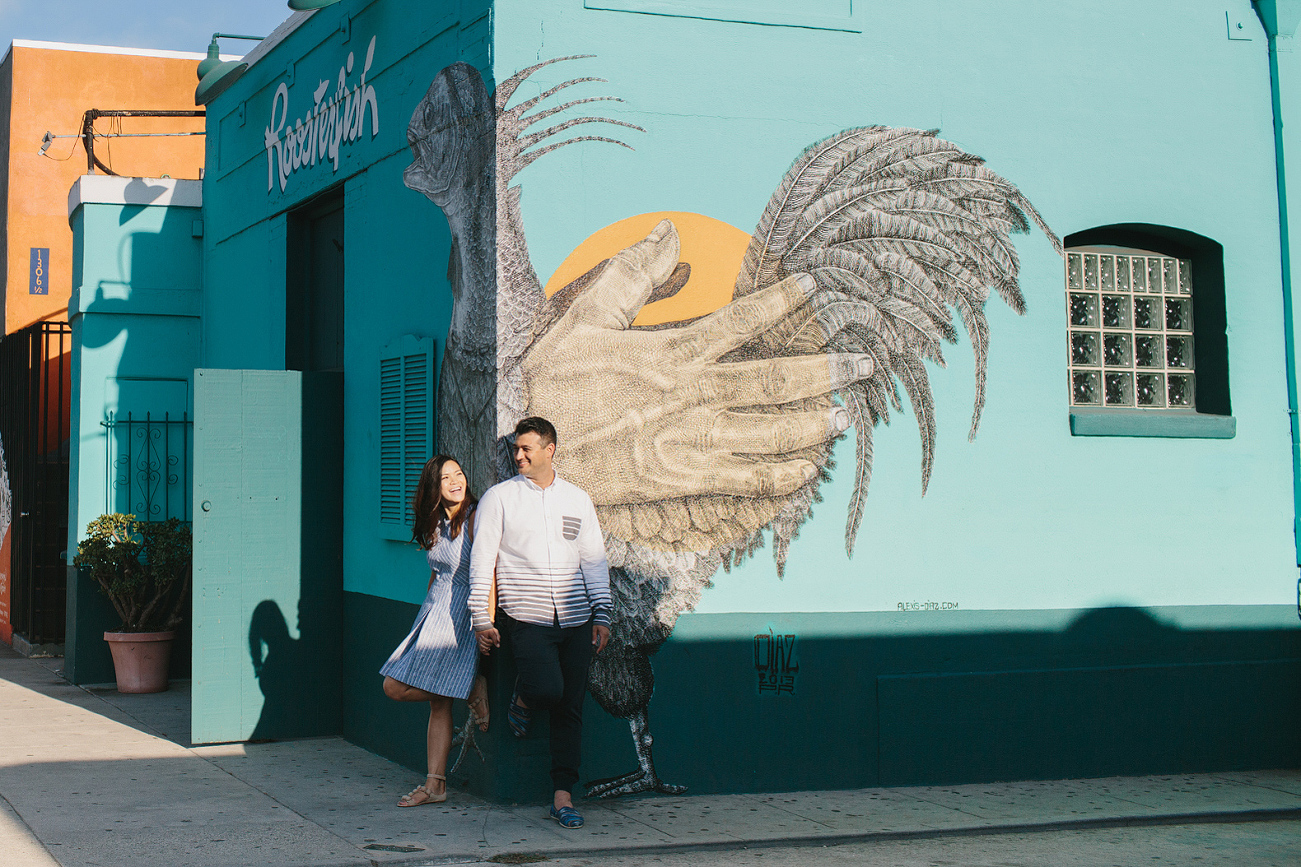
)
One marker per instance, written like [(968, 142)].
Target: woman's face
[(451, 484)]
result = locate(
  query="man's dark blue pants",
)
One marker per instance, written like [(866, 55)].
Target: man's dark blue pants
[(552, 662)]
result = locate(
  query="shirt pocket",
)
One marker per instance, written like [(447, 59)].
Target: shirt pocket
[(570, 527)]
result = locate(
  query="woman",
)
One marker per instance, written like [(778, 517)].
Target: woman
[(437, 661)]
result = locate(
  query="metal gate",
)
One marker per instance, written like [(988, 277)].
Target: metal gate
[(35, 390)]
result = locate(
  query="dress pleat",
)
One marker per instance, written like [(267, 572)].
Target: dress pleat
[(440, 654)]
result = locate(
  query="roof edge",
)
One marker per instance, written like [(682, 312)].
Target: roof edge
[(117, 190), (109, 49), (288, 26)]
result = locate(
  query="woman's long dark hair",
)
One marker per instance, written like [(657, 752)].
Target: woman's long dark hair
[(429, 510)]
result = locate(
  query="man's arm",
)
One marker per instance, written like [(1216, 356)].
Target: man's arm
[(595, 569), (483, 557)]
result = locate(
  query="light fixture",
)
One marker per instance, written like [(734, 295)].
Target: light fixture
[(215, 74), (311, 4)]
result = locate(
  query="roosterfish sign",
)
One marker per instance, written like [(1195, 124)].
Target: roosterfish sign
[(700, 434)]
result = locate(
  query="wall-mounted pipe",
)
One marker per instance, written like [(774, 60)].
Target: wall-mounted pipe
[(1281, 18)]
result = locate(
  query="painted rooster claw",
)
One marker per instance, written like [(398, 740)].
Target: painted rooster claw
[(465, 739), (636, 783), (644, 779)]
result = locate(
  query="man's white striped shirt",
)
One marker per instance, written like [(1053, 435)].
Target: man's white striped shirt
[(548, 553)]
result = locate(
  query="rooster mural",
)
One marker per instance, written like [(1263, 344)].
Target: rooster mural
[(697, 439), (6, 498)]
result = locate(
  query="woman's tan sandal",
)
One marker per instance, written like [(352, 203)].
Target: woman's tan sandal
[(478, 702), (422, 795)]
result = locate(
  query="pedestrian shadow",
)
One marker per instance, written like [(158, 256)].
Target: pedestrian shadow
[(284, 675)]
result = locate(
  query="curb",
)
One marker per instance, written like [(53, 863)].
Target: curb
[(1216, 817)]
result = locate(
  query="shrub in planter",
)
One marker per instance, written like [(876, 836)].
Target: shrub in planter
[(144, 569)]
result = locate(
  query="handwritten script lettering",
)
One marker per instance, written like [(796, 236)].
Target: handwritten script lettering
[(318, 135)]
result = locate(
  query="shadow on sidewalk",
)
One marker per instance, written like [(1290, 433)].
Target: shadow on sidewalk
[(162, 714)]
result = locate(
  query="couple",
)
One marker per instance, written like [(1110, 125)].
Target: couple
[(536, 540)]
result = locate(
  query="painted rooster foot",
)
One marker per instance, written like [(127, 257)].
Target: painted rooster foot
[(636, 783), (465, 739)]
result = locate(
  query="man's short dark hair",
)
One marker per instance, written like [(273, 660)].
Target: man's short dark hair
[(538, 425)]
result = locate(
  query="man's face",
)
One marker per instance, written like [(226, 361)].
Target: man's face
[(532, 457)]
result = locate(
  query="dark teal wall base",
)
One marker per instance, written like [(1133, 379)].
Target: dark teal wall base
[(892, 699), (1151, 423), (1160, 719), (86, 657)]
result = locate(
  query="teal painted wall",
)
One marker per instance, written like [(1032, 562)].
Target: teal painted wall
[(1280, 18), (1101, 113), (267, 599), (396, 242), (134, 311)]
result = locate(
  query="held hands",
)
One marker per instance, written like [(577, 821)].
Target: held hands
[(488, 639), (600, 637), (654, 414)]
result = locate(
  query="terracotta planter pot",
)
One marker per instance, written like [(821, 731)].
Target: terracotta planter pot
[(141, 659)]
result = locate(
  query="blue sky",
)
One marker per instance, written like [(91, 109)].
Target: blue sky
[(180, 25)]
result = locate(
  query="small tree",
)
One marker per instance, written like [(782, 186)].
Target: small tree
[(142, 566)]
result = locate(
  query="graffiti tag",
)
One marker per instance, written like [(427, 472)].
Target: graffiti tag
[(774, 660), (329, 124)]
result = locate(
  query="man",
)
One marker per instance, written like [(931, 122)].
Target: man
[(540, 536)]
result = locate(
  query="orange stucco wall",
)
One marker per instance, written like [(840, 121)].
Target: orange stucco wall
[(51, 90)]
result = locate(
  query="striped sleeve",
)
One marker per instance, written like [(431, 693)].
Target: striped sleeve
[(483, 557), (595, 569)]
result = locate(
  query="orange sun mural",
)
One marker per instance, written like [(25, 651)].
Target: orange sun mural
[(712, 248)]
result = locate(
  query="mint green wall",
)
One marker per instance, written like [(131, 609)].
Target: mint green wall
[(1280, 19), (134, 314), (1101, 112), (1163, 120), (396, 242), (135, 338)]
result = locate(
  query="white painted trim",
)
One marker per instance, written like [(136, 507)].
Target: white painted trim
[(112, 49), (115, 190), (289, 25)]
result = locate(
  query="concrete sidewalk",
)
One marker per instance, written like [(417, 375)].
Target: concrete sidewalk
[(89, 777)]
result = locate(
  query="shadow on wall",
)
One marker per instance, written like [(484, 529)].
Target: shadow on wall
[(870, 699), (282, 672), (300, 677)]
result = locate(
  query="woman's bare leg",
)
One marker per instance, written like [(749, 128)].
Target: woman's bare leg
[(399, 691), (438, 743), (439, 740)]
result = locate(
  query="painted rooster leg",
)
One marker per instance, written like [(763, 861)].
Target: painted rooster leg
[(465, 737), (644, 779)]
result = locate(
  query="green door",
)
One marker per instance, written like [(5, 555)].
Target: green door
[(267, 554)]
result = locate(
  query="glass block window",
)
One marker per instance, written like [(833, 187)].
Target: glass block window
[(1131, 329)]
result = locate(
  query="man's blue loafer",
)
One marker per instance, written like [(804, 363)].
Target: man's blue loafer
[(567, 817)]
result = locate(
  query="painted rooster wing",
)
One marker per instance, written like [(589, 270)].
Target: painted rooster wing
[(899, 228)]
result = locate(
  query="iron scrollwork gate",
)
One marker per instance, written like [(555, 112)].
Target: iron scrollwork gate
[(148, 463)]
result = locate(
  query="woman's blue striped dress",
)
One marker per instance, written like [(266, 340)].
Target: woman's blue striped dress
[(440, 654)]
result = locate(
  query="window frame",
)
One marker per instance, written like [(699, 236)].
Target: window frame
[(1212, 416)]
